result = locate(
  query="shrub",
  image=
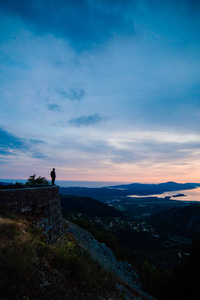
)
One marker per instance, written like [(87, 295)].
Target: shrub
[(32, 180), (77, 264), (15, 265)]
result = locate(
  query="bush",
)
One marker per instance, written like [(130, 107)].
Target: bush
[(157, 283), (77, 264), (32, 180), (73, 262), (15, 265)]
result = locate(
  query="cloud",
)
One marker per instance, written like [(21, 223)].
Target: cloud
[(12, 145), (84, 23), (83, 121), (141, 148), (10, 142), (60, 124), (72, 93), (192, 6), (86, 121), (38, 155), (143, 83), (54, 107)]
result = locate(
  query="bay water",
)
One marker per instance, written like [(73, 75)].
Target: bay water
[(190, 195)]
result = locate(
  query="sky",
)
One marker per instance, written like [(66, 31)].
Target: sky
[(100, 90)]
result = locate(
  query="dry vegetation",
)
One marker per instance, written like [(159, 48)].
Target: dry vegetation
[(32, 269)]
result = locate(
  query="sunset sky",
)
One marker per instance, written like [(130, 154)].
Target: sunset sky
[(100, 89)]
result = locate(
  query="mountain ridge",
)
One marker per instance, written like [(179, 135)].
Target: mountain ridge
[(127, 189)]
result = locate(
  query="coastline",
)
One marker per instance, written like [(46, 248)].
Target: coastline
[(73, 183)]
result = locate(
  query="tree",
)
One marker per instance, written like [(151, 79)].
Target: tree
[(32, 180)]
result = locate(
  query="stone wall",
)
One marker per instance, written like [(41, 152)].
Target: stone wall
[(42, 202)]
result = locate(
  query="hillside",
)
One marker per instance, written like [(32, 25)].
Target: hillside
[(160, 258), (99, 262), (183, 221), (131, 239), (87, 207), (76, 267)]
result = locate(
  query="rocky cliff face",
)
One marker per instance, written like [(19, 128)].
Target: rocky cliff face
[(42, 202), (105, 257)]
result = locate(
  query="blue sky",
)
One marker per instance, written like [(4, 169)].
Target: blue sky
[(100, 90)]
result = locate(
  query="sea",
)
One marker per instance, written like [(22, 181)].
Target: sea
[(75, 183), (189, 195)]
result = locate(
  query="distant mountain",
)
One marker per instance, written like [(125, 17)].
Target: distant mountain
[(196, 184), (87, 206), (4, 183), (127, 189), (160, 187), (91, 192)]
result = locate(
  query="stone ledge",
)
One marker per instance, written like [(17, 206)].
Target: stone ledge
[(42, 202)]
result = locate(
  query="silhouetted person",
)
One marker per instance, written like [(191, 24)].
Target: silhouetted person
[(53, 176)]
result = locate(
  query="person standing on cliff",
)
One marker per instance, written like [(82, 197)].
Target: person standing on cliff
[(53, 176)]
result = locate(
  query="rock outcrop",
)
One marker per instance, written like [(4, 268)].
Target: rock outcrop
[(105, 257)]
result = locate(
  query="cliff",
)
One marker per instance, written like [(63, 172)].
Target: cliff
[(130, 284), (42, 203), (57, 260)]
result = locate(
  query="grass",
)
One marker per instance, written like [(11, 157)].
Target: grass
[(77, 265), (17, 247), (32, 269)]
